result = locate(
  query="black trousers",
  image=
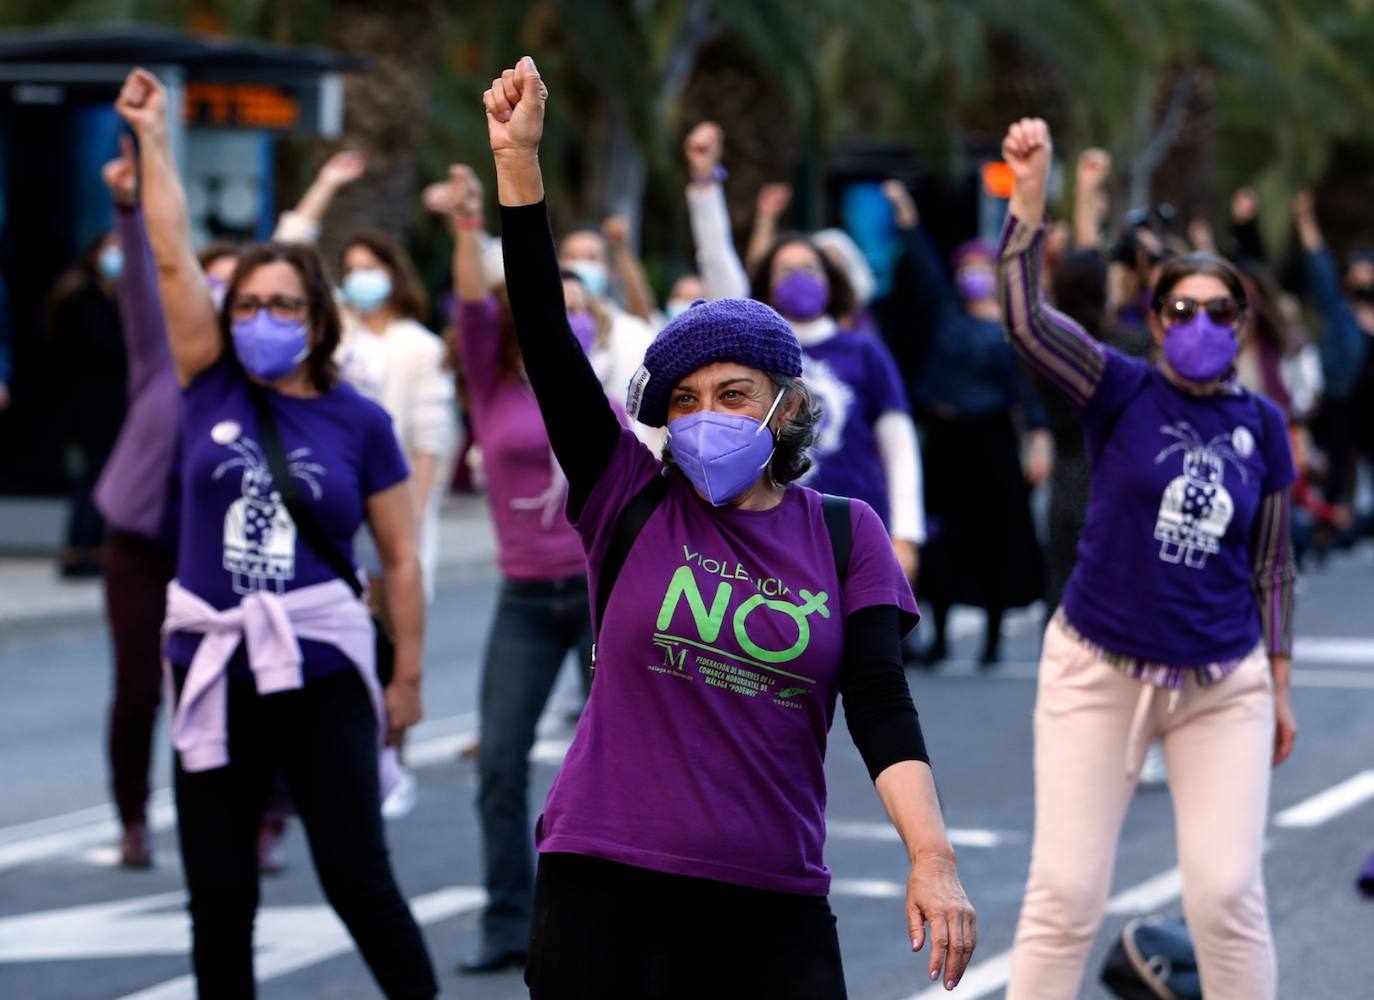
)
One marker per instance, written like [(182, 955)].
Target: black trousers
[(322, 740), (607, 931), (137, 572)]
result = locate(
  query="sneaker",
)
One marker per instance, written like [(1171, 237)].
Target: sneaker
[(401, 801)]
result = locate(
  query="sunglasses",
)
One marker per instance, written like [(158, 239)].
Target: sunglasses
[(1224, 310)]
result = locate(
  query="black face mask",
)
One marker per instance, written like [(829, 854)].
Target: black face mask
[(1363, 294)]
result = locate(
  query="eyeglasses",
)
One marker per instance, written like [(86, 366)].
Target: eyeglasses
[(280, 306), (1224, 310)]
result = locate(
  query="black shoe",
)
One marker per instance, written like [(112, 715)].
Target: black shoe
[(487, 962)]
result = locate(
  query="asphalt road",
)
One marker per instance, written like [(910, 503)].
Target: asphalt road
[(73, 926)]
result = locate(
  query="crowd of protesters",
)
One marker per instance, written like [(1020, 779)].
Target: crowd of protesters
[(264, 452)]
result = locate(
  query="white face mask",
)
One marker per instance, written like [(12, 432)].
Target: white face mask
[(366, 288), (676, 307), (592, 275)]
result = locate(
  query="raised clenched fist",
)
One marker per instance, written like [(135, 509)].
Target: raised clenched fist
[(465, 192), (773, 200), (515, 110), (1304, 206), (703, 148), (1244, 205), (343, 168), (1027, 150), (142, 102), (903, 205), (1094, 166), (616, 229), (121, 174)]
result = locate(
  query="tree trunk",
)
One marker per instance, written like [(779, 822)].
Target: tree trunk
[(386, 111)]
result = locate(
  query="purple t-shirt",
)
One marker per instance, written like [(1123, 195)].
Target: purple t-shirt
[(236, 537), (701, 751), (1164, 567), (525, 489), (856, 381)]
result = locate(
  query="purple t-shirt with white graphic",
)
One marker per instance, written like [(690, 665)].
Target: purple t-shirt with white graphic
[(701, 751), (236, 537), (856, 381), (1177, 481)]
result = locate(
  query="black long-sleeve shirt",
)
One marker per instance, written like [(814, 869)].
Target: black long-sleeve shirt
[(583, 432)]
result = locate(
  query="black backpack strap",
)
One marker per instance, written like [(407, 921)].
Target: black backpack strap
[(307, 527), (627, 528), (840, 527)]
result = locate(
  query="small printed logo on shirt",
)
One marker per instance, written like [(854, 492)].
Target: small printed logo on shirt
[(226, 432), (1243, 442)]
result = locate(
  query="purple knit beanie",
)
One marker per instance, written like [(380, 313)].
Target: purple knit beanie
[(744, 331)]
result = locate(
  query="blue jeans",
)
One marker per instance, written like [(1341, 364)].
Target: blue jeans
[(536, 625)]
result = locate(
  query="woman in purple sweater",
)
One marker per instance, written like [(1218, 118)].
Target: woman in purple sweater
[(1177, 621)]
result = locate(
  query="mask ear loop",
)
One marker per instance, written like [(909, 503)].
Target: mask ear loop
[(764, 426)]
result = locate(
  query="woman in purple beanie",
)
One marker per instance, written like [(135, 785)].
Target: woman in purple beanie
[(693, 796), (1176, 623)]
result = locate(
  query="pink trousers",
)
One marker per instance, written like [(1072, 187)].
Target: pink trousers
[(1092, 723)]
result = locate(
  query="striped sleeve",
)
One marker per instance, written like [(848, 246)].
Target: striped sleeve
[(1275, 572), (1052, 344)]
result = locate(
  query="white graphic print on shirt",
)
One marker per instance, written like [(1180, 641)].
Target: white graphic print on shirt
[(836, 396), (1196, 508), (259, 535)]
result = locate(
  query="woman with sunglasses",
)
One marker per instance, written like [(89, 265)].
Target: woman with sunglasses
[(271, 655), (1176, 623)]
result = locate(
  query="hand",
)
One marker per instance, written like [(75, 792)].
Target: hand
[(142, 102), (935, 897), (904, 210), (403, 707), (1039, 457), (908, 556), (1244, 205), (121, 174), (465, 192), (1285, 726), (438, 198), (773, 200), (616, 229), (515, 111), (342, 168), (1094, 167), (1304, 207), (1027, 150), (703, 148), (1200, 235), (1342, 517)]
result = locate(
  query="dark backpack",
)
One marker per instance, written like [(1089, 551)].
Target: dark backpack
[(1153, 960), (642, 505)]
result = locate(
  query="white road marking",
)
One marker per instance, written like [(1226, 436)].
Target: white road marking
[(845, 829), (295, 937), (1327, 805), (1320, 649), (867, 888)]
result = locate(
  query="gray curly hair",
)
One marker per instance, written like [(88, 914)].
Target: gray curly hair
[(792, 450)]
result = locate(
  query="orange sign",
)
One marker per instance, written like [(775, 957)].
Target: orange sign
[(241, 105), (998, 180)]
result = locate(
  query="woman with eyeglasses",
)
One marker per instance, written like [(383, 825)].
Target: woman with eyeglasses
[(271, 654), (1177, 621)]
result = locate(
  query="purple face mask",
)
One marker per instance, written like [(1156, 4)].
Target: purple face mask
[(269, 347), (800, 296), (722, 454), (975, 285), (583, 325), (1200, 350)]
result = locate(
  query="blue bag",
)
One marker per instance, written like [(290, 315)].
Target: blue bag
[(1153, 960)]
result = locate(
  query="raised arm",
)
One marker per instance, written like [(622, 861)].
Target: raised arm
[(717, 260), (639, 297), (582, 427), (1245, 230), (140, 311), (192, 323), (1342, 343), (1052, 344), (303, 223), (1090, 197), (771, 202)]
